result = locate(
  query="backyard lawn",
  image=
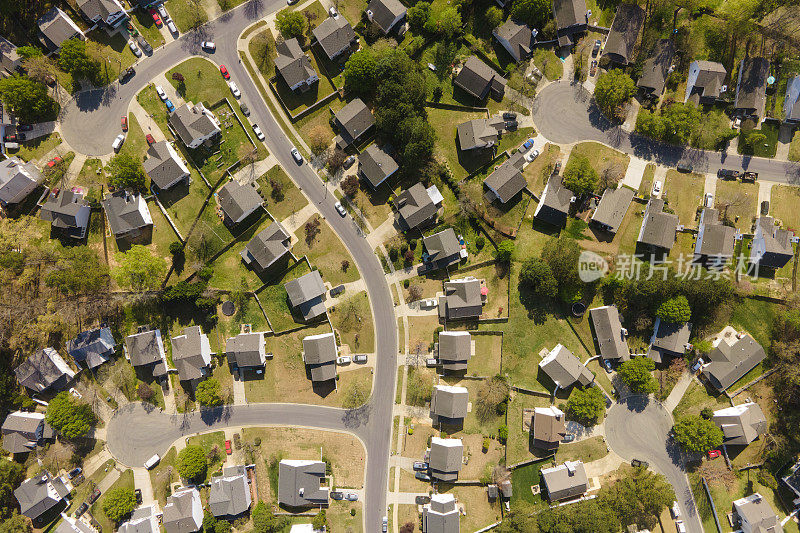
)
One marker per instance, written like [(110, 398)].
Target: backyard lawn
[(276, 302), (524, 478), (183, 202), (296, 102), (326, 252), (518, 445), (282, 197), (548, 63), (738, 201), (488, 351), (784, 202), (767, 148), (462, 162), (352, 318), (685, 195), (696, 398)]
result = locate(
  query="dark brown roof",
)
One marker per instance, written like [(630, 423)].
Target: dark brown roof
[(624, 32)]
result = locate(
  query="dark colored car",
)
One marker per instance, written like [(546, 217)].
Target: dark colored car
[(245, 109), (24, 127), (511, 125), (126, 74), (607, 366), (93, 496), (508, 115), (728, 174), (144, 45), (337, 290), (81, 509), (638, 462), (337, 495), (74, 472), (138, 494), (568, 438), (685, 168), (765, 208), (422, 500), (349, 161), (422, 476)]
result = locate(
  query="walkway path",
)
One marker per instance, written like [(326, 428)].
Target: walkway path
[(678, 391)]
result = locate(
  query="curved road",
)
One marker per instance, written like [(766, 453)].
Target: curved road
[(637, 427), (132, 430)]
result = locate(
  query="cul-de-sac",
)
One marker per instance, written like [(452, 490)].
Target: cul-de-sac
[(399, 266)]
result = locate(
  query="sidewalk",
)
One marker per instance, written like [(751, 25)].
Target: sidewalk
[(294, 221), (253, 171), (677, 392)]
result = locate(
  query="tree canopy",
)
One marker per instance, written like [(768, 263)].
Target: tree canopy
[(534, 13), (613, 90), (127, 172), (635, 373), (290, 23), (119, 503), (11, 475), (586, 405), (418, 14), (505, 251), (208, 393), (264, 521), (675, 310), (579, 175), (16, 524), (73, 59), (697, 434), (28, 99), (676, 123), (139, 269), (562, 256), (192, 463), (444, 20), (536, 276), (360, 72), (69, 416), (78, 271)]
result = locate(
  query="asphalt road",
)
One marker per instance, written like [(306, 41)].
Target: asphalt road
[(637, 428), (89, 125), (563, 113)]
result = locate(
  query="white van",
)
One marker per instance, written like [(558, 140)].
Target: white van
[(172, 28), (152, 462), (117, 144)]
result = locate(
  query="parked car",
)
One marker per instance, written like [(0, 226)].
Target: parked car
[(156, 17), (764, 208), (245, 109), (234, 89), (535, 72), (532, 155), (228, 449), (420, 466), (750, 177), (675, 510), (607, 366), (727, 173), (170, 105), (144, 45), (593, 68), (224, 71), (596, 48), (209, 45), (527, 145), (333, 13), (422, 500), (172, 28), (150, 139), (344, 360), (74, 472), (125, 74), (685, 168), (78, 480), (657, 187), (153, 461), (509, 115), (138, 494), (117, 144), (82, 508), (53, 162), (135, 49), (557, 167), (511, 125), (337, 290), (291, 2), (349, 161), (160, 92), (296, 155), (385, 524), (713, 454), (124, 123), (428, 302), (360, 358), (430, 361), (337, 495), (258, 132), (698, 364), (680, 526), (340, 208), (93, 496), (422, 476), (639, 462), (708, 200), (569, 437), (351, 497), (24, 127), (163, 11)]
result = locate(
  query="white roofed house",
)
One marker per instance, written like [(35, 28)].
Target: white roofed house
[(741, 424), (165, 166), (191, 354), (754, 514), (17, 180), (440, 515)]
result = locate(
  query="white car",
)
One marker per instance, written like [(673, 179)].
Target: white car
[(163, 11), (657, 188), (135, 49), (258, 132), (340, 208), (161, 93), (209, 45), (172, 28), (234, 89), (533, 154), (117, 144), (332, 12), (430, 302), (680, 526), (297, 156), (708, 200), (344, 360)]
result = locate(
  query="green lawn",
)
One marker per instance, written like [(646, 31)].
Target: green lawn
[(756, 317), (738, 201), (135, 143), (461, 162), (646, 185), (602, 158), (685, 194), (548, 63), (784, 200), (698, 397), (295, 101), (112, 53), (289, 201), (539, 171), (352, 318), (143, 21), (276, 302), (37, 148), (209, 441), (262, 48), (326, 252), (149, 100), (522, 479), (794, 147), (587, 450), (764, 149), (163, 234), (185, 14), (125, 481), (183, 202)]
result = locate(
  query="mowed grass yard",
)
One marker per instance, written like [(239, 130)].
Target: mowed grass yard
[(445, 123), (538, 172), (326, 252), (276, 302), (289, 201), (784, 203), (352, 318), (685, 194), (601, 157), (739, 201)]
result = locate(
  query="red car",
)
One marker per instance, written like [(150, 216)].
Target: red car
[(124, 123), (150, 139), (224, 71), (713, 454), (228, 447), (156, 18), (53, 162)]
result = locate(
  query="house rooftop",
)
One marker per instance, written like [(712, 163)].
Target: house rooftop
[(441, 514), (147, 348), (476, 77), (126, 212), (305, 293), (777, 243), (714, 239), (319, 354), (92, 347), (183, 512), (22, 431), (415, 205), (656, 68), (446, 458), (455, 350), (548, 426), (376, 165), (741, 424), (65, 210), (17, 179), (507, 180), (480, 132), (299, 483), (355, 118), (42, 370), (191, 353), (568, 13), (612, 208), (751, 90), (268, 246), (668, 339), (727, 363), (246, 349), (191, 121), (554, 204), (56, 27), (609, 333), (385, 12), (39, 494), (237, 200), (292, 63), (757, 514), (564, 368), (230, 494), (442, 246), (658, 228), (463, 299), (334, 34), (518, 35), (566, 480), (624, 33), (449, 402), (164, 166)]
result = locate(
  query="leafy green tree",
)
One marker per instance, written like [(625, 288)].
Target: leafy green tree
[(444, 21), (636, 374), (359, 73), (27, 52), (11, 475), (119, 503), (139, 269), (127, 172), (320, 520), (586, 517), (192, 463), (69, 416), (613, 90), (535, 13), (418, 15), (73, 59), (579, 175), (697, 434), (419, 147), (536, 276), (649, 124), (444, 54), (208, 393), (754, 139), (675, 310), (28, 99), (356, 395), (291, 24), (78, 271), (264, 521), (562, 256), (586, 405), (638, 498), (505, 251), (680, 121), (16, 524), (494, 17)]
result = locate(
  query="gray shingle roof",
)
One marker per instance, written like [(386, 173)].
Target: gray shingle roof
[(142, 520), (751, 89), (519, 36), (658, 228), (710, 78), (164, 165), (479, 132), (624, 32), (299, 483), (306, 294), (384, 12), (191, 122), (568, 13), (17, 179), (376, 165), (564, 368), (477, 79), (147, 348), (714, 239), (126, 212), (463, 299), (565, 481), (267, 247), (449, 402), (57, 27), (191, 353), (334, 35), (415, 205), (446, 458), (443, 247), (42, 370), (92, 347), (772, 245), (612, 208), (67, 211), (98, 8), (292, 63), (229, 494), (554, 204), (319, 353), (755, 511), (455, 350), (668, 339), (22, 431), (656, 67), (74, 525), (178, 513), (728, 363), (354, 119), (39, 494), (246, 350), (440, 515), (507, 181), (791, 103), (237, 201), (741, 424), (609, 335), (548, 427)]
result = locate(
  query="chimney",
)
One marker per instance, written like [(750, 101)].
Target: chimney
[(570, 467)]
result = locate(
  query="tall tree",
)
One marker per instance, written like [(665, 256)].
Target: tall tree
[(119, 503), (697, 434), (613, 90), (139, 269), (360, 72), (28, 99), (579, 175), (636, 374), (535, 13), (586, 405), (291, 24), (11, 475), (192, 463), (74, 59), (208, 393), (70, 417), (127, 172)]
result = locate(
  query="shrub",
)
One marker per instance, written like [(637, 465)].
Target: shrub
[(502, 434), (175, 247), (480, 242), (675, 310), (406, 283), (707, 413), (192, 463)]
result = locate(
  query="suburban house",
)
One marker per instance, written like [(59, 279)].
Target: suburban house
[(669, 340), (294, 66), (194, 124), (656, 68), (449, 403), (335, 36), (507, 180), (183, 512), (624, 33), (463, 299), (191, 354), (319, 355), (741, 424), (41, 495), (442, 249), (352, 121), (300, 483), (385, 14), (269, 250), (571, 17), (704, 82), (612, 208), (728, 362), (565, 369), (128, 216), (454, 350), (751, 88), (445, 458), (92, 347), (772, 245), (754, 514), (516, 38), (238, 201), (142, 520), (44, 370), (22, 431), (55, 27), (165, 166), (440, 515), (478, 79), (480, 132), (715, 240), (417, 206), (246, 351), (307, 295), (548, 427), (659, 229), (68, 213), (791, 104), (70, 524), (229, 494), (792, 482), (17, 180), (611, 337), (10, 60), (375, 165), (108, 12), (146, 349), (565, 481), (553, 207)]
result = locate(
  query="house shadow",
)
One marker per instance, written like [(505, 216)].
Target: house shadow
[(475, 159), (600, 235), (171, 196), (322, 388)]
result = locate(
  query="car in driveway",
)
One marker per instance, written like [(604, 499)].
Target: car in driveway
[(713, 454), (156, 17), (639, 462), (420, 466), (144, 45), (344, 360), (340, 209), (150, 139), (24, 127), (569, 437), (532, 155), (509, 115), (422, 500), (138, 494), (335, 291), (680, 527), (349, 162), (657, 187), (296, 155), (211, 46), (360, 358), (170, 105), (422, 476), (74, 472), (596, 48), (337, 495), (258, 132), (81, 509), (224, 71), (172, 28), (160, 92), (117, 144), (135, 49), (53, 162), (228, 449), (234, 89), (607, 366), (93, 496), (708, 200), (333, 13), (163, 11), (351, 497)]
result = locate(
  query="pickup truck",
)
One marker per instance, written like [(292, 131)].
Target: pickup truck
[(728, 174), (750, 176), (125, 74)]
